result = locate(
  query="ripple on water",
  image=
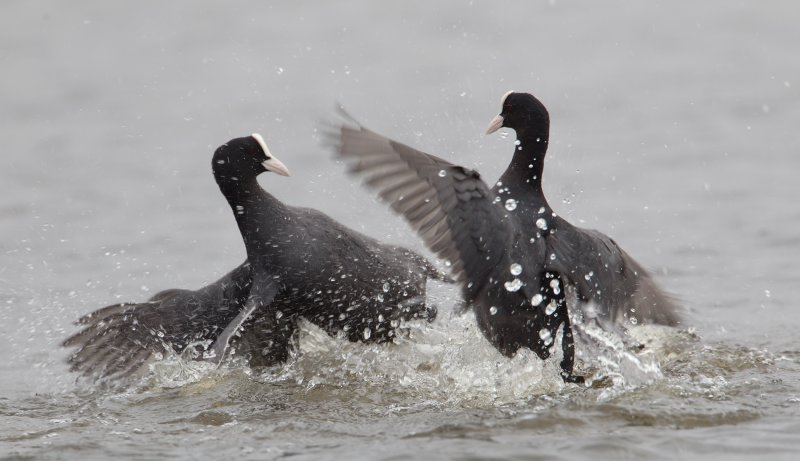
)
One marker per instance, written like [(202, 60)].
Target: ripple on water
[(439, 381)]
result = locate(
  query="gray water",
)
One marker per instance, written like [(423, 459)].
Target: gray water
[(674, 130)]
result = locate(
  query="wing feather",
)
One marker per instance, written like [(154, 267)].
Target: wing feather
[(116, 340), (450, 207)]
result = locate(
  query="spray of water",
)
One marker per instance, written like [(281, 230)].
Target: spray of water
[(448, 362)]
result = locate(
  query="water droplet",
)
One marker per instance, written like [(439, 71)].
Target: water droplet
[(517, 142), (386, 287), (513, 285), (537, 299), (541, 223), (550, 309), (380, 318), (511, 204), (492, 310), (634, 321), (394, 323), (278, 314), (442, 173), (555, 285), (367, 333), (542, 210), (515, 269), (279, 70), (380, 297), (544, 335), (342, 316), (552, 256), (589, 276)]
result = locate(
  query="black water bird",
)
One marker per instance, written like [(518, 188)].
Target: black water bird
[(516, 259), (300, 263)]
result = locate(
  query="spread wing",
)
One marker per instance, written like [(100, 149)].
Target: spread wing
[(604, 273), (117, 340), (449, 206)]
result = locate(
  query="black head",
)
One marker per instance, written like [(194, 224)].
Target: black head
[(523, 113), (247, 157)]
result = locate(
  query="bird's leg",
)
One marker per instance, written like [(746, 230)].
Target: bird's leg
[(261, 295), (568, 347), (267, 339), (557, 294)]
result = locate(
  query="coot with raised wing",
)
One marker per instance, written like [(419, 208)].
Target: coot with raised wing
[(514, 257)]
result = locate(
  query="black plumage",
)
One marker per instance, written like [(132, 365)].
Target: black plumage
[(300, 263), (514, 257)]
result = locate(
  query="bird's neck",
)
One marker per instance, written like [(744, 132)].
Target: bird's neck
[(239, 189), (255, 210), (526, 167)]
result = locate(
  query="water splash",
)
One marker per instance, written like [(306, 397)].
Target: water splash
[(545, 336), (616, 363), (513, 285), (448, 361)]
